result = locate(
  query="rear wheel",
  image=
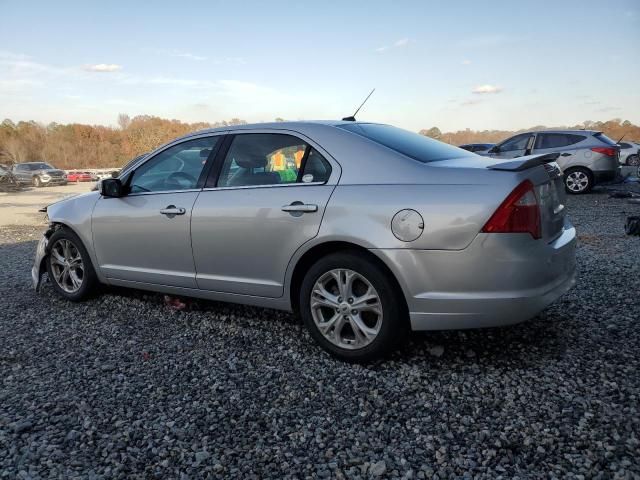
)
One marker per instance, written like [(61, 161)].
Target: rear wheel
[(633, 160), (578, 180), (351, 307), (69, 266)]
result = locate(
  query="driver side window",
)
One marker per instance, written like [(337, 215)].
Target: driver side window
[(176, 168)]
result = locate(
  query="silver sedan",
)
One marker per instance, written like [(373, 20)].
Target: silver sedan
[(365, 230)]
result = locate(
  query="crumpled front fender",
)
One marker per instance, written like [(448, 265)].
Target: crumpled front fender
[(41, 254)]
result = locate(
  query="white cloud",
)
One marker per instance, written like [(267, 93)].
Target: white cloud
[(103, 67), (466, 62), (6, 55), (172, 52), (470, 102), (609, 109), (482, 89), (180, 82), (188, 55), (403, 42)]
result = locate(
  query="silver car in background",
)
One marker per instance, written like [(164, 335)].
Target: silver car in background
[(586, 157), (365, 230), (38, 174), (629, 153)]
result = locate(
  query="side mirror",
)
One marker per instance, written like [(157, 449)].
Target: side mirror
[(112, 187)]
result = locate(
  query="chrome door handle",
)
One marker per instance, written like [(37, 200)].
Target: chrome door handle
[(173, 210), (299, 207)]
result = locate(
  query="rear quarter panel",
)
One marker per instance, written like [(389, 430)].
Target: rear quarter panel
[(453, 214)]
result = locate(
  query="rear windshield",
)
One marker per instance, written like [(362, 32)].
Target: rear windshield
[(603, 138), (414, 145)]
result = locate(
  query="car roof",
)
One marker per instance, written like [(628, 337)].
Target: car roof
[(568, 130), (298, 126)]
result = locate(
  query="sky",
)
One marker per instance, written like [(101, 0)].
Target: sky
[(454, 65)]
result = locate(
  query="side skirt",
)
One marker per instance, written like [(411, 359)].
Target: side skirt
[(281, 303)]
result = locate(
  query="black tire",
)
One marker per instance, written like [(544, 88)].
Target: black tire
[(89, 277), (394, 324), (579, 172), (36, 182), (633, 160)]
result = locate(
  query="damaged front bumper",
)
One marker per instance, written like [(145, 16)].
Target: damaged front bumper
[(38, 264)]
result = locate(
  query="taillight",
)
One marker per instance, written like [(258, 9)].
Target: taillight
[(519, 213), (608, 151)]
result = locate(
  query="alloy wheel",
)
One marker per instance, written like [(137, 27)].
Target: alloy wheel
[(66, 265), (577, 181), (346, 309), (633, 160)]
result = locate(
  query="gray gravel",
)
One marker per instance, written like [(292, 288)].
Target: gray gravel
[(123, 387)]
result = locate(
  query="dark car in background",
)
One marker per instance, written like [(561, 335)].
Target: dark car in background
[(479, 148), (587, 157), (38, 174)]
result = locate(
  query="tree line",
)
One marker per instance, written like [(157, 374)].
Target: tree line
[(77, 145)]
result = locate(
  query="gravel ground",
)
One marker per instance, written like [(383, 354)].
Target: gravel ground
[(123, 387)]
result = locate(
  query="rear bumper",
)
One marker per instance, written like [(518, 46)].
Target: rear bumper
[(606, 176), (500, 279), (605, 169)]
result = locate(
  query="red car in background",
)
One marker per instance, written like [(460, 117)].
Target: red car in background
[(79, 177)]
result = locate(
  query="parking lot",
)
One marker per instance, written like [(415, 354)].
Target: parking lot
[(122, 386), (21, 208)]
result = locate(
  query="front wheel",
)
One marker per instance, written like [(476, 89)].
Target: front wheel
[(633, 160), (69, 266), (578, 180), (351, 307)]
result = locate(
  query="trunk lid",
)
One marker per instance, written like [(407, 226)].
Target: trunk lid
[(541, 170), (552, 199)]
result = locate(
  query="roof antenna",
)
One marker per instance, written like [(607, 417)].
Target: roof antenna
[(352, 118)]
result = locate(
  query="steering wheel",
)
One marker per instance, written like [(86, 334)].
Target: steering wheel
[(175, 177)]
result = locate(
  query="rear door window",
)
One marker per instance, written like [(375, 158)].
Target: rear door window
[(557, 140), (604, 139), (413, 145), (257, 159)]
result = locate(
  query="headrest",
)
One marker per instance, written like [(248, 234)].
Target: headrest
[(251, 161)]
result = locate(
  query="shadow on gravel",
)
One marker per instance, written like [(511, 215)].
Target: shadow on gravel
[(526, 344)]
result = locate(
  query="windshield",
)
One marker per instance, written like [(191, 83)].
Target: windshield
[(131, 162), (414, 145), (38, 166)]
